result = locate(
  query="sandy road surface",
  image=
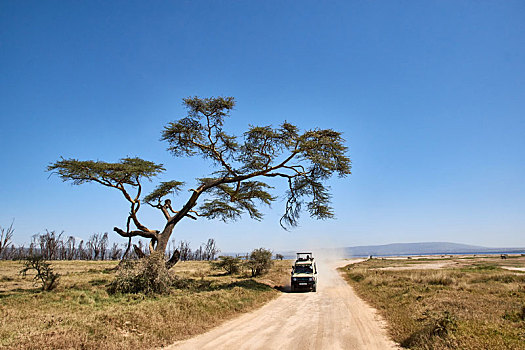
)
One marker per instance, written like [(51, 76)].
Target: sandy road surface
[(332, 318)]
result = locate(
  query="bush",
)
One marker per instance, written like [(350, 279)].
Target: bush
[(260, 261), (230, 264), (439, 278), (515, 316), (148, 275), (444, 325), (356, 276), (44, 272), (440, 327)]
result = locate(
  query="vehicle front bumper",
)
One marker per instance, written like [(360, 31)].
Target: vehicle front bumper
[(303, 284)]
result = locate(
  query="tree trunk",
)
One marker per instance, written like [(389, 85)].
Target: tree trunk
[(162, 244)]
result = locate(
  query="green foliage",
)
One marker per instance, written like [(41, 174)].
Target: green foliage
[(228, 263), (304, 160), (43, 272), (127, 171), (260, 261), (201, 131), (148, 275), (163, 190), (263, 146), (229, 202)]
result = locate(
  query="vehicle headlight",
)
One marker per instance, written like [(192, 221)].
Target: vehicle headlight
[(310, 279), (294, 279)]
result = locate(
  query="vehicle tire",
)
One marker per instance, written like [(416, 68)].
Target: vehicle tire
[(314, 288), (292, 289)]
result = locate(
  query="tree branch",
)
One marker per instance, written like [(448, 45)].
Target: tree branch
[(145, 234)]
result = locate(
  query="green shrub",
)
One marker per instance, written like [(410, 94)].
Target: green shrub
[(148, 275), (228, 263), (356, 276)]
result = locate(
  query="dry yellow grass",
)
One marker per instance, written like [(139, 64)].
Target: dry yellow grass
[(80, 314), (470, 304)]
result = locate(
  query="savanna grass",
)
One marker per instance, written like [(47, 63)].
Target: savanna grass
[(80, 314), (470, 304)]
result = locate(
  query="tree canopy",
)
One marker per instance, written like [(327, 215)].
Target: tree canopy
[(304, 160)]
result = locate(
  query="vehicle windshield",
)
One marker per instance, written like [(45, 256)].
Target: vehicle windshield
[(303, 269), (304, 256)]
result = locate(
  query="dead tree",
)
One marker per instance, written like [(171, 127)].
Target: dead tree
[(184, 250), (70, 248), (49, 244), (210, 250), (6, 234), (115, 252)]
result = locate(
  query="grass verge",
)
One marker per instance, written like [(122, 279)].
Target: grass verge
[(468, 304), (80, 314)]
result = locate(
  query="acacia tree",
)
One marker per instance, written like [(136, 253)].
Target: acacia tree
[(243, 166)]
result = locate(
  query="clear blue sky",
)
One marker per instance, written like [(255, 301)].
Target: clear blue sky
[(430, 97)]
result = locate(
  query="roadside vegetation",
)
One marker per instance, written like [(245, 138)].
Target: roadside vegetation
[(80, 313), (460, 303)]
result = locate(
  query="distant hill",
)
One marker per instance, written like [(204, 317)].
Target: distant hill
[(423, 248), (426, 248)]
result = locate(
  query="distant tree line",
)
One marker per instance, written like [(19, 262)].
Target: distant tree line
[(206, 251), (57, 246)]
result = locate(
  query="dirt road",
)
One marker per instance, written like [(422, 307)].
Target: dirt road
[(332, 318)]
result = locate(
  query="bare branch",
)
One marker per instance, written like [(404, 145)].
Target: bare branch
[(148, 234)]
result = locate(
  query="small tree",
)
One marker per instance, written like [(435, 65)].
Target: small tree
[(228, 263), (44, 272), (260, 261), (239, 182), (279, 257)]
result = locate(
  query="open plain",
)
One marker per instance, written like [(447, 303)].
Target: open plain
[(447, 302)]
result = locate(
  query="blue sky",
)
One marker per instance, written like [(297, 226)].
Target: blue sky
[(430, 97)]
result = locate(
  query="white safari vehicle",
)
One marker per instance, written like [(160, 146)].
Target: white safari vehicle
[(304, 273)]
